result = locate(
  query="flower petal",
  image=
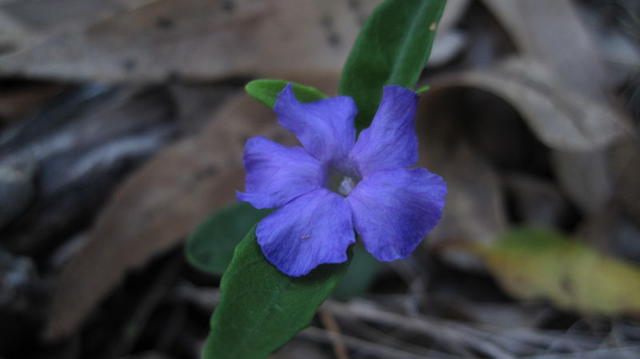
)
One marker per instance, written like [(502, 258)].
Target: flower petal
[(313, 229), (277, 174), (324, 127), (390, 142), (394, 210)]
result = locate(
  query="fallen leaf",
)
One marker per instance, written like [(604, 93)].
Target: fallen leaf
[(562, 120), (551, 33), (195, 39), (25, 24), (577, 129), (535, 264)]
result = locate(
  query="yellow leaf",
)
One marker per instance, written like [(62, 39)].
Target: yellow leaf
[(540, 264)]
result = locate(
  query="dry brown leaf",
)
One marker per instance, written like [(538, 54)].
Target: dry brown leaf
[(26, 23), (551, 33), (576, 128), (200, 39), (562, 120)]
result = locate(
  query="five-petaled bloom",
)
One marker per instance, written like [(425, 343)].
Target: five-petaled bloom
[(333, 184)]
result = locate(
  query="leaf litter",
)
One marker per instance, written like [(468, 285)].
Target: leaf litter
[(553, 148)]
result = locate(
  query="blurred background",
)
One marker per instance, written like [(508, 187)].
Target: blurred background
[(122, 125)]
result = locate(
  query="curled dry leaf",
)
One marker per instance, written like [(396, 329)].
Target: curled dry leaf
[(575, 127), (552, 33), (157, 207), (562, 120), (195, 39)]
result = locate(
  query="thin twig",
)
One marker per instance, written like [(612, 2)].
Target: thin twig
[(334, 332), (372, 349), (443, 331)]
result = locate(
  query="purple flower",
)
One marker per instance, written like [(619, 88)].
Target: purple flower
[(333, 184)]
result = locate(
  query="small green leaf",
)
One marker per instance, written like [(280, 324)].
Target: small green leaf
[(261, 308), (392, 48), (423, 89), (210, 246), (541, 264), (360, 274), (267, 90)]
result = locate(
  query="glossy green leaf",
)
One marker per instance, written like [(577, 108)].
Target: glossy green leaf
[(210, 246), (267, 90), (360, 274), (392, 48), (261, 308)]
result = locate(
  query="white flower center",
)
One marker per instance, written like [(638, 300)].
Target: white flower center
[(341, 183), (346, 185)]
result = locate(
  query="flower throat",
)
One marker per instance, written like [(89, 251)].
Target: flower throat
[(340, 182)]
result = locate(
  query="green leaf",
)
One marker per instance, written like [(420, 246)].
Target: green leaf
[(210, 246), (534, 264), (392, 49), (261, 308), (360, 274), (423, 89), (267, 90)]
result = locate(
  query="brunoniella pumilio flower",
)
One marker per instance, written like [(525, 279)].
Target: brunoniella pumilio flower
[(334, 186)]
